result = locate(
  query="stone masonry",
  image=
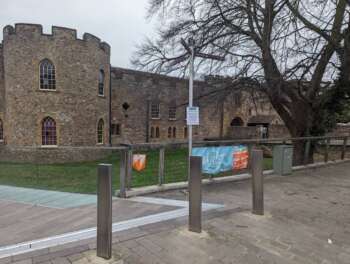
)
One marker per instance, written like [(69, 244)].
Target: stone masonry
[(125, 107), (74, 104)]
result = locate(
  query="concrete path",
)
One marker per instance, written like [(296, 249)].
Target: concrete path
[(21, 222), (52, 199), (307, 220)]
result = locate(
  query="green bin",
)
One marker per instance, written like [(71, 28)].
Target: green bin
[(283, 159)]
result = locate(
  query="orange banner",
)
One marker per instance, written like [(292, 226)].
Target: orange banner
[(139, 162)]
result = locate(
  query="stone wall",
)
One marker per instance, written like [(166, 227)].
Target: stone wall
[(341, 130), (278, 131), (2, 89), (138, 89), (75, 104), (243, 132), (2, 82)]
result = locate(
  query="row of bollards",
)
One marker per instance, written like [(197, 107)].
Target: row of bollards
[(104, 198)]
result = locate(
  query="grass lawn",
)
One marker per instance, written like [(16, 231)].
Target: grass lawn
[(81, 177)]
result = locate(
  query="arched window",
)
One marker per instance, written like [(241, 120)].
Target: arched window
[(152, 132), (237, 121), (1, 131), (157, 132), (174, 132), (100, 131), (48, 132), (185, 132), (47, 75), (169, 132), (101, 81)]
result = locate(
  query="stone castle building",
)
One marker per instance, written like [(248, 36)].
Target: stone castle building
[(58, 90)]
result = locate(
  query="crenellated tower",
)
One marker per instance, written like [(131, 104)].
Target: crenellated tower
[(55, 77)]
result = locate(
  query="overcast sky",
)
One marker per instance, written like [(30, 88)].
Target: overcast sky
[(121, 23)]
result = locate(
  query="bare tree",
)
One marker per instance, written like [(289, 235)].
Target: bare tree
[(297, 52)]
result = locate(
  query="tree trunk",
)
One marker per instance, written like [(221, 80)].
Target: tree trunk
[(299, 152)]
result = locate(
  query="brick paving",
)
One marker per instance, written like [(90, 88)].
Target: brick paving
[(307, 220)]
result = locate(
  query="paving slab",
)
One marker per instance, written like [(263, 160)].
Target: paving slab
[(21, 222), (307, 221)]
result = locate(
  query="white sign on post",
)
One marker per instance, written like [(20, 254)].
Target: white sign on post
[(192, 116)]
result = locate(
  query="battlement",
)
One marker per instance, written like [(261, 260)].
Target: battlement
[(33, 30)]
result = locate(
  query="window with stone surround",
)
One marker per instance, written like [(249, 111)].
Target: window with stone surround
[(172, 112), (47, 75), (174, 132), (100, 131), (115, 129), (48, 132), (169, 132), (155, 132), (101, 82), (1, 131), (185, 132), (155, 110)]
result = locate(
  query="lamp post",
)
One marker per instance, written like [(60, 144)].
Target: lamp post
[(191, 49)]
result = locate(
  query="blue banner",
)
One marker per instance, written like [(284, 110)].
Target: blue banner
[(221, 159)]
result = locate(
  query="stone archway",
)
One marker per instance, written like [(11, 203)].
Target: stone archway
[(237, 121)]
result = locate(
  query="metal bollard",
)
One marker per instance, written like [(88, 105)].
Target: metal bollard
[(104, 211), (326, 156), (129, 170), (123, 173), (257, 182), (161, 166), (345, 144), (195, 194)]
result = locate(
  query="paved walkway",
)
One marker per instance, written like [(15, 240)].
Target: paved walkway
[(52, 199), (22, 222), (307, 220)]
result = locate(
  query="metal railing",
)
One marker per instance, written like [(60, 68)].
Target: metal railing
[(166, 163)]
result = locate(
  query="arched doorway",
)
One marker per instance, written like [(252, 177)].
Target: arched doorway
[(237, 121)]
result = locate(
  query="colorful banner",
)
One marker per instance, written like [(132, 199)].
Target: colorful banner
[(139, 162), (220, 159)]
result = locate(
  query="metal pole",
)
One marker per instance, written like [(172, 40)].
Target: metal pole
[(123, 172), (195, 195), (190, 94), (129, 170), (104, 211), (345, 143), (161, 166), (307, 152), (257, 182), (326, 156)]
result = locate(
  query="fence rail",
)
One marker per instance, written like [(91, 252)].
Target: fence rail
[(166, 162)]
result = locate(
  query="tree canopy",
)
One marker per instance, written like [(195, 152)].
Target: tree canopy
[(297, 52)]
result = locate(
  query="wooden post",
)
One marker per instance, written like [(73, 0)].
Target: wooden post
[(257, 182), (195, 194), (104, 211), (123, 172), (161, 166), (326, 155), (343, 152)]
